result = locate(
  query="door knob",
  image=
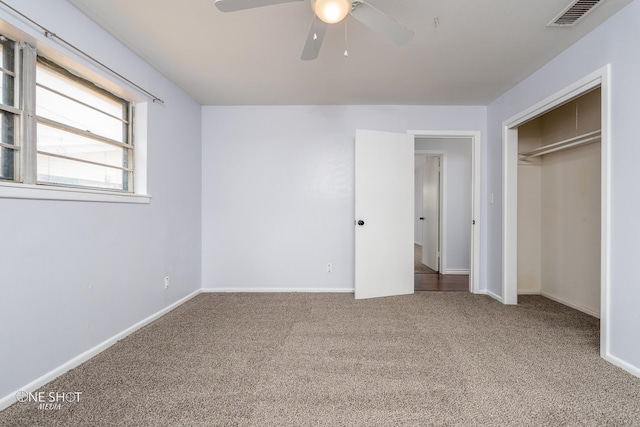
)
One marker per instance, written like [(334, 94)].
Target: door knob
[(360, 222), (421, 218)]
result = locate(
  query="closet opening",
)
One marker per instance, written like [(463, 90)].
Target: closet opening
[(574, 212), (559, 204)]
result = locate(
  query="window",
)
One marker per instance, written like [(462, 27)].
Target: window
[(83, 132), (8, 110), (60, 130)]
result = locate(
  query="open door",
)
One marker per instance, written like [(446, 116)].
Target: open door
[(384, 203)]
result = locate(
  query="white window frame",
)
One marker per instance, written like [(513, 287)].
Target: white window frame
[(24, 185)]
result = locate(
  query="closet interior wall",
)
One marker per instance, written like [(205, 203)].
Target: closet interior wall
[(559, 206)]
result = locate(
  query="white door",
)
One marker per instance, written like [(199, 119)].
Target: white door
[(384, 199), (431, 210)]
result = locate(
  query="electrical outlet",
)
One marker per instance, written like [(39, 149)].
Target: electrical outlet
[(166, 282), (329, 268)]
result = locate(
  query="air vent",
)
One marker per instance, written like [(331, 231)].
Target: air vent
[(574, 13)]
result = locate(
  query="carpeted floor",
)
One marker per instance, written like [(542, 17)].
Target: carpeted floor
[(429, 359)]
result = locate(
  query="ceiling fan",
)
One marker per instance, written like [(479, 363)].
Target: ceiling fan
[(330, 12)]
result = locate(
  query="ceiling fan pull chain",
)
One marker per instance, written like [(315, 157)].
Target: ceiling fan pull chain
[(315, 27), (346, 51)]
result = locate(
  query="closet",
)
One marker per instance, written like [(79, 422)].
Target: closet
[(559, 204)]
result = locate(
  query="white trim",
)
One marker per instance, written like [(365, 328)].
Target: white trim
[(456, 271), (633, 370), (279, 290), (476, 150), (10, 190), (572, 305), (605, 213), (510, 191), (10, 399), (509, 217)]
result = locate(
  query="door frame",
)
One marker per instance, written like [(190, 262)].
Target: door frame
[(599, 78), (442, 202), (476, 146)]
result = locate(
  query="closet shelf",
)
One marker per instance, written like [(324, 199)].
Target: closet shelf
[(576, 141)]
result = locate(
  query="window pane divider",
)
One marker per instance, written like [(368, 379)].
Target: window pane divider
[(75, 159), (71, 98), (10, 109), (85, 133), (9, 146), (6, 71)]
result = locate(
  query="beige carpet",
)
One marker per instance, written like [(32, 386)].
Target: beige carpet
[(429, 359)]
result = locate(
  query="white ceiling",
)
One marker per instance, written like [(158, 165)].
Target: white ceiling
[(479, 50)]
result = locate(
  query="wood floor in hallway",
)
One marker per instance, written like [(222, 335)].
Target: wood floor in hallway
[(426, 279), (441, 282)]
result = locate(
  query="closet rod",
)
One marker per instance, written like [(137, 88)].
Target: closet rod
[(587, 138), (52, 35)]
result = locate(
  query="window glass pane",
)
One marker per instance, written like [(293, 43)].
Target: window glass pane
[(7, 130), (7, 87), (54, 170), (7, 53), (7, 136), (63, 110), (75, 89), (73, 115), (7, 82), (6, 163), (56, 141)]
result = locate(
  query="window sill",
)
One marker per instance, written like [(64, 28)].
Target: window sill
[(43, 192)]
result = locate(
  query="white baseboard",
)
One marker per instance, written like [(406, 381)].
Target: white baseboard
[(459, 271), (633, 370), (279, 290), (529, 293), (572, 305), (10, 399)]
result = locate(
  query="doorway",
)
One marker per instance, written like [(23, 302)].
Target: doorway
[(444, 213), (384, 165)]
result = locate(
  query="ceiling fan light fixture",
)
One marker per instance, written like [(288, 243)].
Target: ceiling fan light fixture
[(331, 11)]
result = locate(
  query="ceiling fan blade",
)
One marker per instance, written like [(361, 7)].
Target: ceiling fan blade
[(233, 5), (381, 23), (314, 39)]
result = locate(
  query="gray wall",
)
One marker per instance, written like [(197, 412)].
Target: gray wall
[(613, 43), (74, 274), (278, 182)]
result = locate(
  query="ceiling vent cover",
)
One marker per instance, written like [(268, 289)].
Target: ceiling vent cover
[(574, 13)]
